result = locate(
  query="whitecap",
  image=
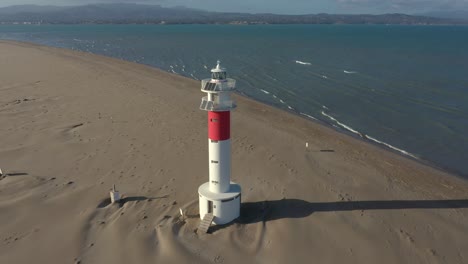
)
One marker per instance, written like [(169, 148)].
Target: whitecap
[(349, 72), (392, 147), (309, 116), (367, 136), (342, 125), (303, 62), (265, 91)]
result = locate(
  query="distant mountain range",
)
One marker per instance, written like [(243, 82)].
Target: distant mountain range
[(451, 14), (154, 14)]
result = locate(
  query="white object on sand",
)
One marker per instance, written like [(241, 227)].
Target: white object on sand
[(1, 173), (114, 195), (307, 144), (182, 214)]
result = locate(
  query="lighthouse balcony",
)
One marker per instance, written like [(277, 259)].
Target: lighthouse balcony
[(209, 105), (213, 86)]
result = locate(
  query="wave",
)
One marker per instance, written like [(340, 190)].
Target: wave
[(309, 116), (349, 72), (303, 62), (194, 77), (341, 124), (324, 107), (368, 137), (392, 147), (290, 107), (282, 101), (324, 76), (266, 92)]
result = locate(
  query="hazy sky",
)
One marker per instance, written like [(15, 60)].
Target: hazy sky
[(283, 6)]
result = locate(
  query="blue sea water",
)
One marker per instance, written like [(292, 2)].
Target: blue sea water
[(403, 87)]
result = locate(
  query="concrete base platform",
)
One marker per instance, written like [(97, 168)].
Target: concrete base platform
[(224, 206)]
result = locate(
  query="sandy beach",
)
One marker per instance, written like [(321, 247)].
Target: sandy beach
[(73, 124)]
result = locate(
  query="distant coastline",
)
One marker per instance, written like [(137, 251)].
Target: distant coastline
[(154, 14)]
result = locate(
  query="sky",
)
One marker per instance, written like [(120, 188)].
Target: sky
[(283, 6)]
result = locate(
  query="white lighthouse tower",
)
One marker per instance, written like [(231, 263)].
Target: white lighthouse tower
[(219, 196)]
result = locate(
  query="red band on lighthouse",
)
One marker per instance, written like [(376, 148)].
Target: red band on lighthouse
[(219, 125)]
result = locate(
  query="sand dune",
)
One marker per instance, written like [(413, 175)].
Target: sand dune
[(73, 124)]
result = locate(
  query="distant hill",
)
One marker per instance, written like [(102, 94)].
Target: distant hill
[(453, 14), (136, 13), (29, 9)]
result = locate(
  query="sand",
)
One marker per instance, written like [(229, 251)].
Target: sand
[(73, 124)]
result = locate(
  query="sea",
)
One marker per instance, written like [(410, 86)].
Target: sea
[(404, 88)]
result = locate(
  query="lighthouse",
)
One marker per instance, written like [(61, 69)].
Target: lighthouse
[(219, 196)]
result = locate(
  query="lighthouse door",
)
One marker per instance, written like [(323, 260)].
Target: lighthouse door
[(210, 207)]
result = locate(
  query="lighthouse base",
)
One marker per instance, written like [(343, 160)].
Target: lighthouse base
[(225, 207)]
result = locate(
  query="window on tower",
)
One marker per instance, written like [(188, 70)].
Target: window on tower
[(218, 75)]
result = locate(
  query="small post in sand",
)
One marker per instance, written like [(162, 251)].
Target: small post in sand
[(182, 214), (114, 195)]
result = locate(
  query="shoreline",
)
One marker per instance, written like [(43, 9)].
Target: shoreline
[(342, 130)]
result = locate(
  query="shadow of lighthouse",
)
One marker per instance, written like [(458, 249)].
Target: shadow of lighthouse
[(264, 211)]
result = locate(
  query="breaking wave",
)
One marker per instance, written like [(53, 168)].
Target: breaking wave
[(309, 116), (341, 124), (349, 72), (266, 92), (392, 147), (194, 76), (367, 136), (303, 62)]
